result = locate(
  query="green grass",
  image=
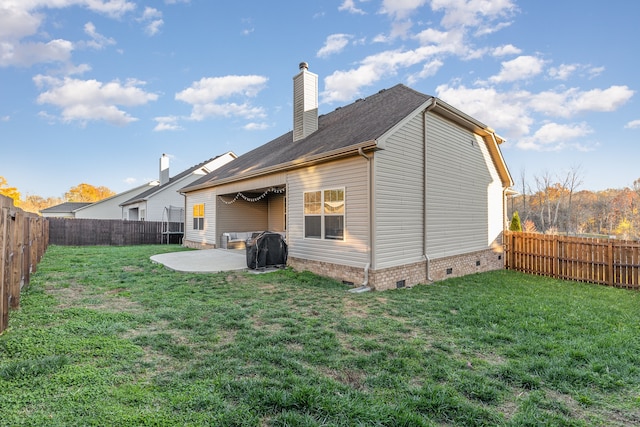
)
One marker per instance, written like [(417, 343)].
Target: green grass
[(106, 337)]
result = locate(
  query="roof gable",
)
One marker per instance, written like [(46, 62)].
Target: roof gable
[(150, 192)]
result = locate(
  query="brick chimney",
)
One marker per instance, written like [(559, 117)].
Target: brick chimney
[(305, 103), (164, 169)]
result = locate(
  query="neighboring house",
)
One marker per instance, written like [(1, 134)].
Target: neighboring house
[(393, 190), (150, 205), (63, 210), (110, 208)]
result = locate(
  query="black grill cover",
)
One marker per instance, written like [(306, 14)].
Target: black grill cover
[(267, 249)]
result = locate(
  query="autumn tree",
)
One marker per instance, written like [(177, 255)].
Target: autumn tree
[(35, 204), (87, 193), (11, 192)]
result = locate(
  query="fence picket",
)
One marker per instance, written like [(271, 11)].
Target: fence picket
[(602, 261), (103, 232), (23, 241)]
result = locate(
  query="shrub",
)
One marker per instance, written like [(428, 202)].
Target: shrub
[(515, 222)]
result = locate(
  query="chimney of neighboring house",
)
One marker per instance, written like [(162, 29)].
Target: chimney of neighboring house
[(305, 103), (164, 169)]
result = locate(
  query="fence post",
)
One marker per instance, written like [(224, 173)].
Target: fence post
[(4, 263), (555, 269), (610, 269), (17, 249)]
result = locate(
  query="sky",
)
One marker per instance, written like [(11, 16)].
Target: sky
[(95, 91)]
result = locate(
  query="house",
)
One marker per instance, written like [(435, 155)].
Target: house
[(152, 204), (110, 208), (63, 210), (148, 201), (393, 190)]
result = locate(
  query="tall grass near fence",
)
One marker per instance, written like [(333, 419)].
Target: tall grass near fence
[(23, 241)]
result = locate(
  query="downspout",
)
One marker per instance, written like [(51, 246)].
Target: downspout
[(424, 144), (364, 287)]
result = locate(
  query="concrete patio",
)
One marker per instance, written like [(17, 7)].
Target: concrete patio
[(204, 261)]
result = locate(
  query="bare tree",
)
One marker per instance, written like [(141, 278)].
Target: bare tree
[(573, 180)]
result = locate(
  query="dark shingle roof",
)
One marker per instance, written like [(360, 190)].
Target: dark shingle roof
[(361, 121), (65, 207)]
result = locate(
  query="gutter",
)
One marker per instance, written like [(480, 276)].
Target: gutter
[(364, 287), (294, 164)]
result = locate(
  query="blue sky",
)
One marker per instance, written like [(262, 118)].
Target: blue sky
[(95, 91)]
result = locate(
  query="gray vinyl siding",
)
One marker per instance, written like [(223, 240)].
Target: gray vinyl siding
[(208, 235), (459, 179), (350, 174), (276, 212), (399, 197)]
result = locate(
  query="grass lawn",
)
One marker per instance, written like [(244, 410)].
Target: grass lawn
[(105, 337)]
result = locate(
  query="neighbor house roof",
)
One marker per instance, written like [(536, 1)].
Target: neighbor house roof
[(342, 131), (65, 207), (156, 189)]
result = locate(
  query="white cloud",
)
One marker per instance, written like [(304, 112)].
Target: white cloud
[(166, 123), (507, 112), (563, 72), (429, 69), (472, 13), (505, 50), (91, 100), (205, 96), (513, 113), (633, 124), (256, 126), (401, 9), (520, 68), (555, 137), (27, 54), (460, 17), (573, 101), (22, 19), (595, 71), (5, 118), (350, 6), (98, 41), (345, 85), (130, 181), (152, 20), (334, 43)]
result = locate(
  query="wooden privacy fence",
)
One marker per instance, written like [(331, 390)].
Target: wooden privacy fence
[(23, 241), (608, 262), (103, 232)]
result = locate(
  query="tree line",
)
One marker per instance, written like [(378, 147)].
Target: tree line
[(547, 204), (556, 204), (33, 203)]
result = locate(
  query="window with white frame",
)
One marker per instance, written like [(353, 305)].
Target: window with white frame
[(324, 214), (198, 216)]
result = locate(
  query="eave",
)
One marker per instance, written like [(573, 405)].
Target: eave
[(295, 164)]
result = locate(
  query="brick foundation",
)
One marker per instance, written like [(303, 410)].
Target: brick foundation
[(406, 275)]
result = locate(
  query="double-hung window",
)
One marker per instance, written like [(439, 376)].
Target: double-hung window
[(324, 214), (198, 216)]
